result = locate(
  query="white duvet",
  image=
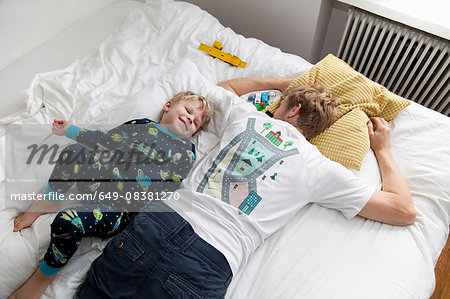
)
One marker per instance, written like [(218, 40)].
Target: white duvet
[(319, 254)]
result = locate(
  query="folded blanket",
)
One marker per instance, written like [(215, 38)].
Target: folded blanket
[(347, 140)]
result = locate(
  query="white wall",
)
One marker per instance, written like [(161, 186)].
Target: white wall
[(26, 24), (31, 36), (431, 17), (336, 27), (295, 26)]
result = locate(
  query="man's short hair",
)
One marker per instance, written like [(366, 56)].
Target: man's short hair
[(318, 108)]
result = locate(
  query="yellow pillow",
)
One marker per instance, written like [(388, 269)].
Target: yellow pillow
[(347, 140)]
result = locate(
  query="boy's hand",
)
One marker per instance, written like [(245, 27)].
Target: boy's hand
[(60, 127), (380, 135)]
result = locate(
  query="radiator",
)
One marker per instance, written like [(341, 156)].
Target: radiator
[(411, 63)]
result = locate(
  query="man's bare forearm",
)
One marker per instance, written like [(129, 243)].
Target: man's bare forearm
[(393, 204), (394, 183), (392, 179)]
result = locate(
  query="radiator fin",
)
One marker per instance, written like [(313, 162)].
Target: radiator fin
[(411, 63)]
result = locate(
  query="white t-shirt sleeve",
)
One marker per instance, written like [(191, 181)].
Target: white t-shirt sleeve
[(338, 188)]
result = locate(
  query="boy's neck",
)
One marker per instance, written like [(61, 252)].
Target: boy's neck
[(166, 129)]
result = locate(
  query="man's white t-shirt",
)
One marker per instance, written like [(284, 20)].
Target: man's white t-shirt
[(261, 174)]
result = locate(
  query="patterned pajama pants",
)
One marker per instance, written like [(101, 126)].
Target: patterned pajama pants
[(88, 220), (72, 225)]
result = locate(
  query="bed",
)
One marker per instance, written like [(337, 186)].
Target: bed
[(139, 55)]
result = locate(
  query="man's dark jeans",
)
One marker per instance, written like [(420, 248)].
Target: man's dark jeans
[(158, 256)]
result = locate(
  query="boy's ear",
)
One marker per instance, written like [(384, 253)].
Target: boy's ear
[(167, 106), (294, 111)]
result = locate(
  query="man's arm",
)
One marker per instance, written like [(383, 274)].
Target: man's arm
[(394, 204), (240, 86)]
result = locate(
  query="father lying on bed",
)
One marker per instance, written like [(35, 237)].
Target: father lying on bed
[(263, 173)]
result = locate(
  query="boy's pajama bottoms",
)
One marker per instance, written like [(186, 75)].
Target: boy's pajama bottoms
[(72, 225), (87, 220)]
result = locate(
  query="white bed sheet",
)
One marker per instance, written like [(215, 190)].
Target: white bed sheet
[(319, 254)]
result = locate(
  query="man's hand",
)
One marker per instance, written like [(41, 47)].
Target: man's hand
[(379, 136), (60, 127)]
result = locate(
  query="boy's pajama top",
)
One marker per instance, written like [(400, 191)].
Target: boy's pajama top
[(124, 168)]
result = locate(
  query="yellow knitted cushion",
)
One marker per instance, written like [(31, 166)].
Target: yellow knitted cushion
[(347, 140)]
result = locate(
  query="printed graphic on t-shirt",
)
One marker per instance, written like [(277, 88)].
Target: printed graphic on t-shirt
[(234, 173)]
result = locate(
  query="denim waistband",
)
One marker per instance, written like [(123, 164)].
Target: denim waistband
[(181, 235)]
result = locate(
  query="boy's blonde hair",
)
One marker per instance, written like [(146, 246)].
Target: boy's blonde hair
[(188, 96), (318, 108)]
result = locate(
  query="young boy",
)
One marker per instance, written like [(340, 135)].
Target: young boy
[(148, 160)]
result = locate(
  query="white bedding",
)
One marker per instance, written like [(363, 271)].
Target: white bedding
[(319, 254)]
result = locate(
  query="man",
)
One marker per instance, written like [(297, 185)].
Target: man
[(393, 204), (259, 176)]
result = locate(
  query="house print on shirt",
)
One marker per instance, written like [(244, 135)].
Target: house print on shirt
[(274, 137), (245, 165)]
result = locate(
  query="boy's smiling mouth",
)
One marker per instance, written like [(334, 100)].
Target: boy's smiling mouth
[(185, 125)]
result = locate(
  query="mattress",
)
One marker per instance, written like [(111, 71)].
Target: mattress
[(318, 254)]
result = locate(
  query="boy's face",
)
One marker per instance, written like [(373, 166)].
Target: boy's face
[(183, 118)]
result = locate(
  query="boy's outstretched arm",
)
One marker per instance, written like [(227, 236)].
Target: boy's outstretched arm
[(393, 204), (91, 138), (240, 86)]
